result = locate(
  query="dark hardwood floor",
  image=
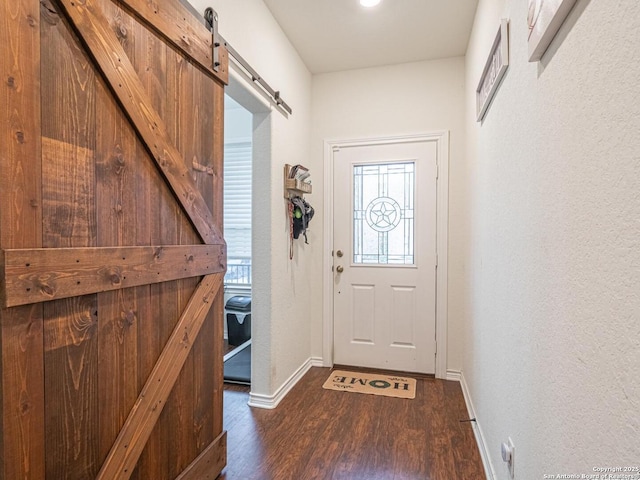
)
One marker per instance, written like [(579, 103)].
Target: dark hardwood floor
[(322, 434)]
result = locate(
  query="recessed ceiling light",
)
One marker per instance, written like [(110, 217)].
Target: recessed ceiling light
[(369, 3)]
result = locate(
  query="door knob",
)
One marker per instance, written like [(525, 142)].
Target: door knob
[(339, 269), (339, 253)]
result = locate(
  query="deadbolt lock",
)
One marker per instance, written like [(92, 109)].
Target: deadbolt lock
[(339, 253)]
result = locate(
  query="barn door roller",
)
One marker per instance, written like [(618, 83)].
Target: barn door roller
[(211, 18)]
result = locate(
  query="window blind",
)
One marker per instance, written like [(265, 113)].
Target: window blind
[(237, 199)]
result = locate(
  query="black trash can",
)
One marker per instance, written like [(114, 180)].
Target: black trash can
[(238, 319)]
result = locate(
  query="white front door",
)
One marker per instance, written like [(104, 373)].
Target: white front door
[(385, 256)]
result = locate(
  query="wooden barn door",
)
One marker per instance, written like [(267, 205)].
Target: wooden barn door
[(112, 261)]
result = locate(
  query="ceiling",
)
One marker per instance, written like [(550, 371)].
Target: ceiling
[(335, 35)]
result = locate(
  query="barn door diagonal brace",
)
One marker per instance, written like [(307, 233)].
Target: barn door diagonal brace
[(211, 18)]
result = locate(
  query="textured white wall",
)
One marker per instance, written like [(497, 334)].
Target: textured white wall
[(551, 284), (282, 289), (410, 98)]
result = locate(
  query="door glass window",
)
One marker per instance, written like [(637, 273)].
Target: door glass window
[(383, 213)]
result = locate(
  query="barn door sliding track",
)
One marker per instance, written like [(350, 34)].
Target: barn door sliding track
[(212, 23)]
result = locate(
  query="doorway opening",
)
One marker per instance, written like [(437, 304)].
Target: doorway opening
[(247, 138), (238, 167)]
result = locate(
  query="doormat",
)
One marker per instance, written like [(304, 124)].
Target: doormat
[(372, 384)]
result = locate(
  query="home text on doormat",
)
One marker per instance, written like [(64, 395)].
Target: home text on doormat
[(372, 384)]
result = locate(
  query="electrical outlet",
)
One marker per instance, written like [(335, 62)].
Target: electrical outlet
[(511, 461), (508, 452)]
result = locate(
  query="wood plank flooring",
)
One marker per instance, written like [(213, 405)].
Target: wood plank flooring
[(318, 434)]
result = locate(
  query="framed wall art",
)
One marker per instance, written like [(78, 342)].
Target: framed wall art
[(494, 70), (545, 18)]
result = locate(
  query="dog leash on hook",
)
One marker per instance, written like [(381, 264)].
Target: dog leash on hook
[(290, 208)]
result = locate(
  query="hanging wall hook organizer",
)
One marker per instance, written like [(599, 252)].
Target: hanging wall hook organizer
[(296, 184), (296, 180)]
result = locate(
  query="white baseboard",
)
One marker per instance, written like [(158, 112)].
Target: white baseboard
[(453, 375), (317, 362), (271, 401), (477, 430)]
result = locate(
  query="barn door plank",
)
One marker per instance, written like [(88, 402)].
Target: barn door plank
[(21, 212), (122, 208), (94, 29), (120, 315), (21, 329), (206, 351), (171, 222), (151, 58), (180, 118), (68, 101), (71, 348), (218, 169), (127, 448), (148, 53), (151, 64), (22, 394)]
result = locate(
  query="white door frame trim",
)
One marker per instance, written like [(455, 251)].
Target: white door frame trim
[(441, 138), (242, 90)]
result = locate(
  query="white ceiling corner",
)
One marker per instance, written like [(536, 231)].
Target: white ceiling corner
[(335, 35)]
